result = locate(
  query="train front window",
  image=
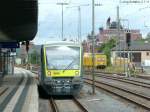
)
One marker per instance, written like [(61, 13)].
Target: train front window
[(63, 57)]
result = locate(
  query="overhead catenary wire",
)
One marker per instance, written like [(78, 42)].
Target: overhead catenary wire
[(72, 2), (79, 20)]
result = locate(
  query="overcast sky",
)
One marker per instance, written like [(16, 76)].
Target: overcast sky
[(49, 26)]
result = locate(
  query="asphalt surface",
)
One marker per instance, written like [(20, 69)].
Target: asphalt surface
[(104, 101)]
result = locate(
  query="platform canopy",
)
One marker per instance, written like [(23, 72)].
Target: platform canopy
[(18, 20)]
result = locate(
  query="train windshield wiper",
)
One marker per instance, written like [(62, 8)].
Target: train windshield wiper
[(69, 65)]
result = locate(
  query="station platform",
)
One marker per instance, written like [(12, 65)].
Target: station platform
[(18, 92)]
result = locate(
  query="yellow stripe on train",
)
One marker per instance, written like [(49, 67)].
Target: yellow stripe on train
[(62, 73)]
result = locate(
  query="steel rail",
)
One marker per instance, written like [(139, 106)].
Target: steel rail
[(134, 97), (79, 105), (124, 78), (2, 92), (126, 81), (53, 105), (124, 89), (56, 109)]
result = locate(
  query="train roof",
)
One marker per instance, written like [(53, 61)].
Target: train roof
[(87, 53), (61, 43)]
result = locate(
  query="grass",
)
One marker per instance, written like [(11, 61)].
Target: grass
[(114, 69), (117, 69)]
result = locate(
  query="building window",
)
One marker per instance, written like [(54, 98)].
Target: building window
[(147, 53), (122, 55)]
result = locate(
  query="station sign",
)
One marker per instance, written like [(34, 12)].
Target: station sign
[(13, 54), (9, 45)]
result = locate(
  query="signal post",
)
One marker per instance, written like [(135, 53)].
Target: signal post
[(128, 44)]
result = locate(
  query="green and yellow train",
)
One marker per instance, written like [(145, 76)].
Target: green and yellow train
[(61, 68)]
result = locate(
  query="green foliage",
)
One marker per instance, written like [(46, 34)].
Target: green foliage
[(34, 58), (148, 36), (114, 69), (106, 49)]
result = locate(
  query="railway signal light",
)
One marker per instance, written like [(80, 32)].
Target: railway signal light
[(128, 39)]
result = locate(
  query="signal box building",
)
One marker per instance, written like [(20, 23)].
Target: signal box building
[(138, 53), (106, 34), (110, 32)]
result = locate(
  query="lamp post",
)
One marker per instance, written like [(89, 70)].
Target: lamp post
[(126, 20), (62, 5), (79, 20), (93, 44), (93, 33)]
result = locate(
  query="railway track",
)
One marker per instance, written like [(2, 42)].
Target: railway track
[(55, 106), (3, 91), (142, 84), (132, 96), (124, 79), (80, 105)]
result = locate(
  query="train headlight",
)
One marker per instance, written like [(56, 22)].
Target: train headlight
[(68, 81), (58, 81), (49, 73), (76, 72)]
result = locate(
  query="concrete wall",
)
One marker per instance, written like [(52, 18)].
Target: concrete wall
[(145, 56)]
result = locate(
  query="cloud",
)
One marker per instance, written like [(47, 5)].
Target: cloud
[(50, 17)]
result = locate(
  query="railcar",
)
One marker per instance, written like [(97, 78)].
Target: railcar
[(100, 60), (61, 68)]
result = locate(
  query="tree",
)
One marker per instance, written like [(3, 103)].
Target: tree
[(148, 36), (106, 49), (34, 57)]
